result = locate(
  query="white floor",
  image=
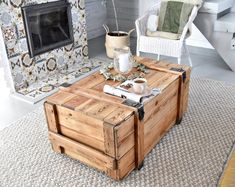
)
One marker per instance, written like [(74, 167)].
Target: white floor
[(206, 64)]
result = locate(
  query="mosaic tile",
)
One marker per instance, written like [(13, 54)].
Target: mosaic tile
[(16, 3), (30, 75), (68, 48), (5, 15), (78, 54), (61, 61), (46, 88), (23, 47), (70, 58), (35, 94), (85, 51), (4, 1), (26, 61), (81, 4), (20, 31), (51, 64), (12, 49), (15, 64), (41, 70), (9, 33)]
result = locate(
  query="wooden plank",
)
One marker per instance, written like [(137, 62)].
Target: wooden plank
[(139, 141), (118, 116), (125, 145), (101, 110), (52, 117), (159, 99), (228, 179), (109, 140), (161, 111), (79, 137), (123, 130), (89, 81), (164, 82), (81, 123), (161, 65), (75, 102), (84, 107), (60, 97), (159, 129), (84, 153), (125, 165), (56, 147)]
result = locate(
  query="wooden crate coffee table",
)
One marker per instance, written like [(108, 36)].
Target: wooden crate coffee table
[(104, 132)]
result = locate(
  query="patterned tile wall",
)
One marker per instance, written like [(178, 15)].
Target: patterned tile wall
[(26, 70)]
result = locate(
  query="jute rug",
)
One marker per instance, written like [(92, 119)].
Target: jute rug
[(191, 154)]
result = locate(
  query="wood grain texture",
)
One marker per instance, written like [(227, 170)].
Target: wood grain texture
[(228, 177), (83, 153), (52, 117)]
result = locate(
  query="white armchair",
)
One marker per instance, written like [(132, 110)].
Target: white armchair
[(162, 46)]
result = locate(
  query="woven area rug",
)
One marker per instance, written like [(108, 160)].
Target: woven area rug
[(191, 154)]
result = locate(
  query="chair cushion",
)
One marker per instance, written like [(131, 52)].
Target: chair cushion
[(152, 22), (174, 15), (161, 34)]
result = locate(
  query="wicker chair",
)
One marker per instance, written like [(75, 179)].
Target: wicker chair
[(162, 46)]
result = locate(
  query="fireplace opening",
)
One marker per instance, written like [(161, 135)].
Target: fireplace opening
[(48, 26)]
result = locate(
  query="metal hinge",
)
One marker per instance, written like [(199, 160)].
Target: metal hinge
[(180, 70), (139, 106)]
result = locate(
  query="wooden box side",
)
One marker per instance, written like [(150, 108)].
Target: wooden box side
[(162, 115), (83, 153)]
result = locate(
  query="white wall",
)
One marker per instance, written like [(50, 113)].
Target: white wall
[(233, 8), (96, 16)]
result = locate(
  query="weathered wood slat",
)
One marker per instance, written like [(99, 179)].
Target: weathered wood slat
[(125, 145), (159, 130), (52, 117), (74, 102), (79, 137), (117, 116), (60, 98), (85, 153), (81, 123), (109, 140)]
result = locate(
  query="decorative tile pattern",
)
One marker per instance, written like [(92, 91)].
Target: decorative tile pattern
[(9, 33), (41, 70), (27, 72), (51, 64), (15, 64), (26, 60), (6, 16), (16, 3), (81, 4), (12, 48), (23, 47)]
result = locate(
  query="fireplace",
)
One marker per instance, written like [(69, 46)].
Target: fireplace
[(48, 26)]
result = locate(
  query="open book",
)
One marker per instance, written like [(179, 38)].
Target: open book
[(125, 90)]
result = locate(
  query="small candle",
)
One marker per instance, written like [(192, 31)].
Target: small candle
[(124, 62)]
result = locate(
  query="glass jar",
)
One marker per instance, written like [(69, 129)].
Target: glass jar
[(123, 60)]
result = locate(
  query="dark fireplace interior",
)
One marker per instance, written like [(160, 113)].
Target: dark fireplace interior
[(48, 26)]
